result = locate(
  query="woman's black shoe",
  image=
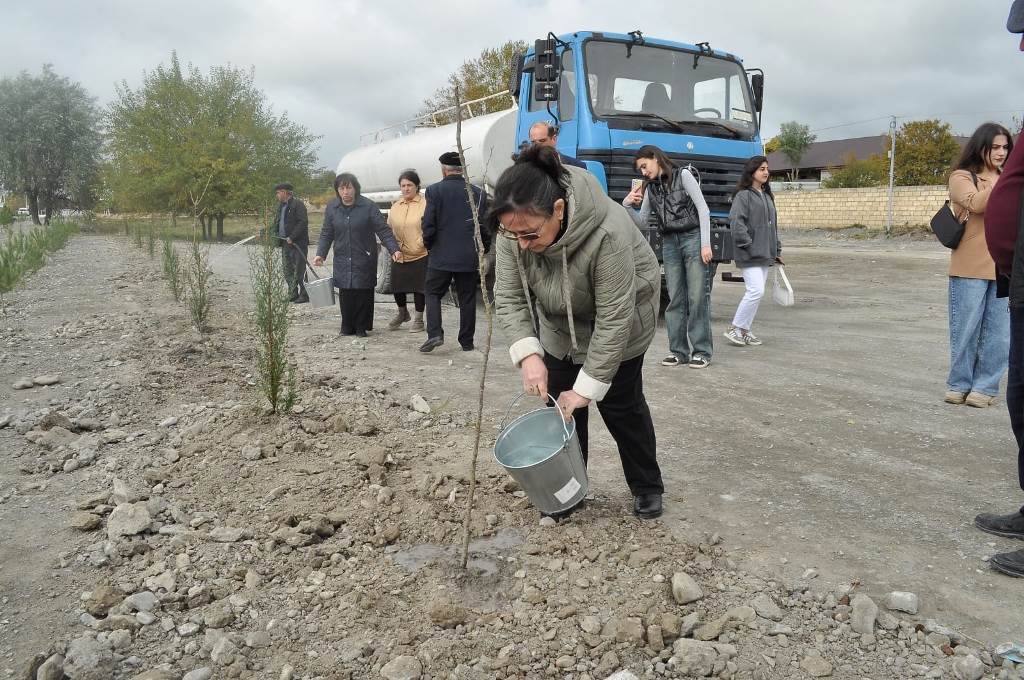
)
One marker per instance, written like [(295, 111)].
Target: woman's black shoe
[(360, 334), (1007, 526), (1011, 563), (647, 505)]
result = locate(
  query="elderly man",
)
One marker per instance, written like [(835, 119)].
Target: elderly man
[(291, 226), (545, 134), (448, 234)]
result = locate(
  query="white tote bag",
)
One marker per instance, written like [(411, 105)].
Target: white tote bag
[(782, 292)]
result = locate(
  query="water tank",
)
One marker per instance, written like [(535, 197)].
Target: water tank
[(488, 142)]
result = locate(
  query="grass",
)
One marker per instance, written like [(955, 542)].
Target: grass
[(23, 252), (236, 227)]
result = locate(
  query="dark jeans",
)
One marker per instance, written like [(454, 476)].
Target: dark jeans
[(356, 310), (418, 300), (1015, 386), (466, 284), (625, 413), (294, 268)]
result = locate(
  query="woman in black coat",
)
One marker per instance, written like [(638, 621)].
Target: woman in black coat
[(350, 222)]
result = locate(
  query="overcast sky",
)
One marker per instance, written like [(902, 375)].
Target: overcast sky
[(341, 67)]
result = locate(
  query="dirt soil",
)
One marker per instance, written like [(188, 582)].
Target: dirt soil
[(157, 522)]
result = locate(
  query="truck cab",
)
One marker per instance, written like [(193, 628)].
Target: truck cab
[(609, 94)]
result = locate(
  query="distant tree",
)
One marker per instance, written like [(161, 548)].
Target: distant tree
[(485, 75), (50, 141), (209, 145), (793, 141), (872, 171), (772, 145), (925, 151)]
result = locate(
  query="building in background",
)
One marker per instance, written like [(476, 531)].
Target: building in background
[(820, 157)]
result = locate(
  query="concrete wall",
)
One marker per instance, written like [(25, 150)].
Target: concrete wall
[(839, 208)]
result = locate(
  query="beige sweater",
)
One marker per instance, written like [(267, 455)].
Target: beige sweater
[(405, 220), (970, 259)]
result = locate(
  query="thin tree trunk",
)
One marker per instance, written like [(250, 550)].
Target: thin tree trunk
[(220, 226), (33, 205)]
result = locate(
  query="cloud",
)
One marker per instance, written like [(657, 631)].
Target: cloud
[(342, 67)]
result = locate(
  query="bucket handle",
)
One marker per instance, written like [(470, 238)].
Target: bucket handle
[(301, 254), (515, 400)]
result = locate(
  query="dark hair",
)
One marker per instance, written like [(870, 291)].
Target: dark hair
[(977, 148), (650, 151), (747, 176), (536, 181), (410, 175), (349, 179)]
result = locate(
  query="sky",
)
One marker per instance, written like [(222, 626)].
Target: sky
[(342, 67)]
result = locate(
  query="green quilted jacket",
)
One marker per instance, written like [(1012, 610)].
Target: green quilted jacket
[(596, 290)]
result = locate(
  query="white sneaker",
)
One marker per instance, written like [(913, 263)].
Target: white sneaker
[(750, 339), (736, 337)]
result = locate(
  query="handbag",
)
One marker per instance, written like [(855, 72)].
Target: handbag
[(949, 228), (782, 291)]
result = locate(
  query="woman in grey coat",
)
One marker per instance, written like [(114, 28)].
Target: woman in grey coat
[(756, 245), (350, 222)]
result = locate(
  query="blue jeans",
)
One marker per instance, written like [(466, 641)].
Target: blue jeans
[(979, 336), (688, 315)]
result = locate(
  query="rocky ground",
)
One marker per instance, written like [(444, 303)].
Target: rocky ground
[(157, 522)]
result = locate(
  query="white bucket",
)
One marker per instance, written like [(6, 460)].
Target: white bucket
[(321, 292)]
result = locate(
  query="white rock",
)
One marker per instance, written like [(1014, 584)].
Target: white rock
[(816, 666), (766, 608), (622, 675), (402, 668), (128, 519), (89, 659), (968, 667), (902, 602), (204, 673), (143, 601), (419, 404), (23, 384), (46, 380), (228, 534), (145, 618), (168, 422), (865, 611), (685, 589)]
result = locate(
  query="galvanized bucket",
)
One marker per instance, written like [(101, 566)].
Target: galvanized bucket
[(542, 452), (321, 292)]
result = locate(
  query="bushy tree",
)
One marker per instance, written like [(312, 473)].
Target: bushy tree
[(793, 141), (872, 171), (206, 144), (50, 141), (925, 151), (484, 75)]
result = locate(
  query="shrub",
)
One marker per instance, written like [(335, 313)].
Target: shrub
[(270, 320), (172, 266), (197, 276)]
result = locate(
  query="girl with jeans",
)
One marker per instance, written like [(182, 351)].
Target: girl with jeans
[(674, 195), (979, 324), (756, 245)]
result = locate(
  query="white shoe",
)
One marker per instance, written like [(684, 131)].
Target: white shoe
[(736, 337)]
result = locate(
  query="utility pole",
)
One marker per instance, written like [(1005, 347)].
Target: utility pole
[(892, 172)]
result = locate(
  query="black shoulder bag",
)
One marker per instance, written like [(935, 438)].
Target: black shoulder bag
[(949, 228)]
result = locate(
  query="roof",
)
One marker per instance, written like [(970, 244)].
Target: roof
[(831, 154)]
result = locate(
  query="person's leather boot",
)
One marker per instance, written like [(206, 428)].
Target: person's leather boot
[(1007, 526), (400, 317), (647, 505), (1011, 563), (417, 323), (430, 344)]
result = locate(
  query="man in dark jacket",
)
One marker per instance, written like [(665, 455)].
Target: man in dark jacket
[(1004, 235), (448, 234), (291, 226)]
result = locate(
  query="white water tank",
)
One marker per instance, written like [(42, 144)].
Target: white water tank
[(488, 142)]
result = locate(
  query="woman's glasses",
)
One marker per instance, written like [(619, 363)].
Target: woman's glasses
[(521, 236)]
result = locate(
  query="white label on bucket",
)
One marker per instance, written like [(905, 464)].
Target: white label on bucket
[(568, 491)]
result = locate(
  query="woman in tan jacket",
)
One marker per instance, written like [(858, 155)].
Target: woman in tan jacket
[(410, 272), (979, 323)]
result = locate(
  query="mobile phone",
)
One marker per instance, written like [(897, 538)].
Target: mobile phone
[(637, 184)]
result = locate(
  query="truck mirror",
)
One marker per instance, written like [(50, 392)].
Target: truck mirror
[(545, 92), (546, 69), (757, 85)]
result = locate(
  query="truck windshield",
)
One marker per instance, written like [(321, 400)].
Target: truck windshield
[(658, 87)]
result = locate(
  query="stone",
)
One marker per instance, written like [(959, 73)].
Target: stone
[(145, 618), (742, 613), (670, 625), (766, 608), (158, 675), (402, 668), (694, 658), (128, 519), (655, 639), (252, 452), (102, 599), (816, 666), (89, 659), (968, 667), (229, 534), (902, 602), (52, 668), (113, 436), (447, 614), (710, 630), (622, 675), (865, 611), (887, 621), (117, 622), (684, 589), (218, 618), (23, 384), (6, 420), (259, 639), (168, 422), (85, 521), (224, 651), (627, 629), (46, 380), (689, 622), (142, 601), (591, 624), (641, 558), (162, 581), (204, 673), (419, 404), (55, 419), (123, 493), (338, 423)]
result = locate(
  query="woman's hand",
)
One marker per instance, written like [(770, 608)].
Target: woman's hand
[(535, 376), (569, 401), (705, 254), (636, 196), (318, 261), (396, 256)]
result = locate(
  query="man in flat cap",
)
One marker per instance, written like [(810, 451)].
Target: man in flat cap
[(448, 234), (291, 226), (1004, 236)]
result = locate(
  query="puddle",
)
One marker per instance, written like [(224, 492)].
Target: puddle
[(482, 553)]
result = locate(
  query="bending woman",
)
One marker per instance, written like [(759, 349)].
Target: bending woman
[(574, 254)]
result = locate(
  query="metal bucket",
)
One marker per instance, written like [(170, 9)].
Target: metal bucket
[(321, 292), (542, 452)]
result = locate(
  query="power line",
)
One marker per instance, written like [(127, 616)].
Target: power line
[(901, 117)]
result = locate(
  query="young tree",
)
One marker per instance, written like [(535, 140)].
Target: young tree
[(485, 75), (793, 141), (925, 151), (270, 321), (872, 171), (49, 141)]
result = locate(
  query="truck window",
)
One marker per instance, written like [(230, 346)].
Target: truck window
[(640, 95), (567, 88)]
